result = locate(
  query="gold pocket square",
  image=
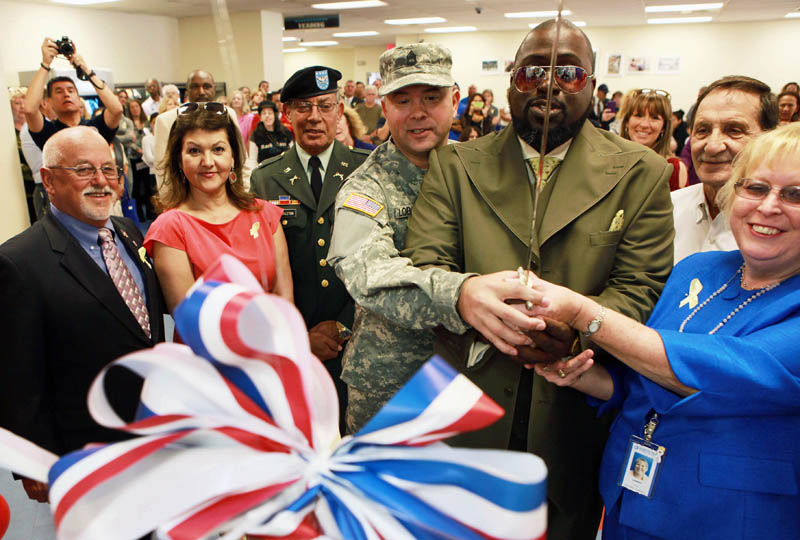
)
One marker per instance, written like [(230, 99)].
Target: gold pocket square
[(617, 222)]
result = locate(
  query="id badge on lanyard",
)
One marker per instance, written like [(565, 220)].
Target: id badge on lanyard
[(642, 464)]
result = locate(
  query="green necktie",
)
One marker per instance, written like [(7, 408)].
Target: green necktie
[(550, 163)]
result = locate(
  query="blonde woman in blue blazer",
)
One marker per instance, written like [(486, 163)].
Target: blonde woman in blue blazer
[(707, 441)]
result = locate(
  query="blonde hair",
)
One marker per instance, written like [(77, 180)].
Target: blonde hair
[(638, 102), (354, 123), (245, 105), (167, 103), (764, 149), (15, 93)]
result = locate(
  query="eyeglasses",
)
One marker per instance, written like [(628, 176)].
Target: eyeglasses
[(210, 106), (569, 79), (305, 107), (86, 172), (656, 91), (756, 190)]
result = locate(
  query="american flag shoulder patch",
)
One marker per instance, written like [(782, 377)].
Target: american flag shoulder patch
[(363, 204)]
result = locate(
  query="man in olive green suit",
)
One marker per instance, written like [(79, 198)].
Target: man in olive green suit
[(304, 182), (604, 228)]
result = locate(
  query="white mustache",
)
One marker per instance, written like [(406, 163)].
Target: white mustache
[(92, 191)]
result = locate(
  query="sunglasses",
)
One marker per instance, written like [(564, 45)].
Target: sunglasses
[(210, 106), (756, 190), (569, 79), (653, 91)]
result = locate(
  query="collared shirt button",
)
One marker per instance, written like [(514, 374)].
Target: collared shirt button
[(321, 242), (323, 262), (324, 283), (321, 220)]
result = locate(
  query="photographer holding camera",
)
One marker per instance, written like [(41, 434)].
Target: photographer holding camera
[(62, 95)]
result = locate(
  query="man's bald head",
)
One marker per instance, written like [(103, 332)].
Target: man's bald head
[(66, 142), (548, 29), (200, 86)]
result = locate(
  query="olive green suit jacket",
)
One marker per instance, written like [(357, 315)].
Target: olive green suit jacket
[(474, 214)]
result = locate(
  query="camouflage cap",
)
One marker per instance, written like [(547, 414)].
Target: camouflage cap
[(420, 63)]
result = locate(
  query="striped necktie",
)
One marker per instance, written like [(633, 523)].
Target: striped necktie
[(123, 280)]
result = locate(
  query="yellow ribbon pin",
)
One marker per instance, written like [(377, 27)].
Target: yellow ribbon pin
[(254, 229), (691, 298), (143, 257)]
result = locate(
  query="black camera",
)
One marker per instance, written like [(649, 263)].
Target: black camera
[(65, 46)]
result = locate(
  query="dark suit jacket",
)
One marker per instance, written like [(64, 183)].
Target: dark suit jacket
[(62, 321), (474, 214), (318, 293)]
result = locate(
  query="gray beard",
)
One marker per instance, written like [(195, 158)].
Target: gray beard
[(556, 136)]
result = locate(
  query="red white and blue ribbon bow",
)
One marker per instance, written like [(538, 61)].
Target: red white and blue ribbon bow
[(237, 433)]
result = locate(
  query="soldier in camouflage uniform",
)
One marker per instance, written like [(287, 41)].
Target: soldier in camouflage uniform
[(392, 336)]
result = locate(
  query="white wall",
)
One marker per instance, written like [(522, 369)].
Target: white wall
[(13, 208), (347, 60), (134, 47), (707, 51)]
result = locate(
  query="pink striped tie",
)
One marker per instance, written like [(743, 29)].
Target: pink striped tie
[(123, 280)]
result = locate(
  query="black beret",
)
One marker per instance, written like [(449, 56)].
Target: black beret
[(309, 82)]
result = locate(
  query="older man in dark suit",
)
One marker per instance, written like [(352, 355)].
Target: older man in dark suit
[(77, 292)]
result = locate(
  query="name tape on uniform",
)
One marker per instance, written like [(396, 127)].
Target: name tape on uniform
[(363, 204)]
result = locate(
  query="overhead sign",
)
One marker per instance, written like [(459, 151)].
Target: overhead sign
[(308, 22)]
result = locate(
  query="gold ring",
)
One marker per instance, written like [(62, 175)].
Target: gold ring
[(562, 374)]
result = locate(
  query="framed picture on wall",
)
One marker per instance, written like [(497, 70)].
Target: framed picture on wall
[(637, 65), (490, 67), (614, 64), (669, 65)]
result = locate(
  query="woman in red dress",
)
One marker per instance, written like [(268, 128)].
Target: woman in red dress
[(207, 211)]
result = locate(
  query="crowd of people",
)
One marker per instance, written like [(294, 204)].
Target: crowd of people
[(624, 285)]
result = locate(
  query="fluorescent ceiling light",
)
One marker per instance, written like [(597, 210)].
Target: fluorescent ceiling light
[(288, 38), (296, 49), (83, 2), (682, 8), (576, 23), (319, 43), (792, 15), (535, 14), (418, 20), (350, 5), (679, 20), (356, 34), (450, 29)]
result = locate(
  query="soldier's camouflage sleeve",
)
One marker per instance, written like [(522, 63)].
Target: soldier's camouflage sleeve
[(367, 261)]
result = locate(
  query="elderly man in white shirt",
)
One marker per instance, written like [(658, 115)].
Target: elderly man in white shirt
[(728, 114)]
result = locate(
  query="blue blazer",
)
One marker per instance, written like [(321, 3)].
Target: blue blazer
[(732, 463)]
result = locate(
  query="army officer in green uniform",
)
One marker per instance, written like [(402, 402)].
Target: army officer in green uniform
[(304, 182)]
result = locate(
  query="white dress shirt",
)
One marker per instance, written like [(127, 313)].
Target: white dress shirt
[(695, 231)]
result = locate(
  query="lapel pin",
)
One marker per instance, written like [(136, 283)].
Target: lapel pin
[(344, 164), (691, 298), (293, 178), (340, 175), (287, 169), (254, 229), (123, 233), (143, 257)]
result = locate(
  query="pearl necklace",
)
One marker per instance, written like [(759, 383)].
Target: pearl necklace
[(739, 272)]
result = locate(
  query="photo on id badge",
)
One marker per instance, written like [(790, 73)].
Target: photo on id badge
[(641, 468)]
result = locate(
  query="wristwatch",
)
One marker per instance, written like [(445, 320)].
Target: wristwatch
[(594, 325)]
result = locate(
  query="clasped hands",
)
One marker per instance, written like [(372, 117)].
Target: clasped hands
[(540, 335)]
